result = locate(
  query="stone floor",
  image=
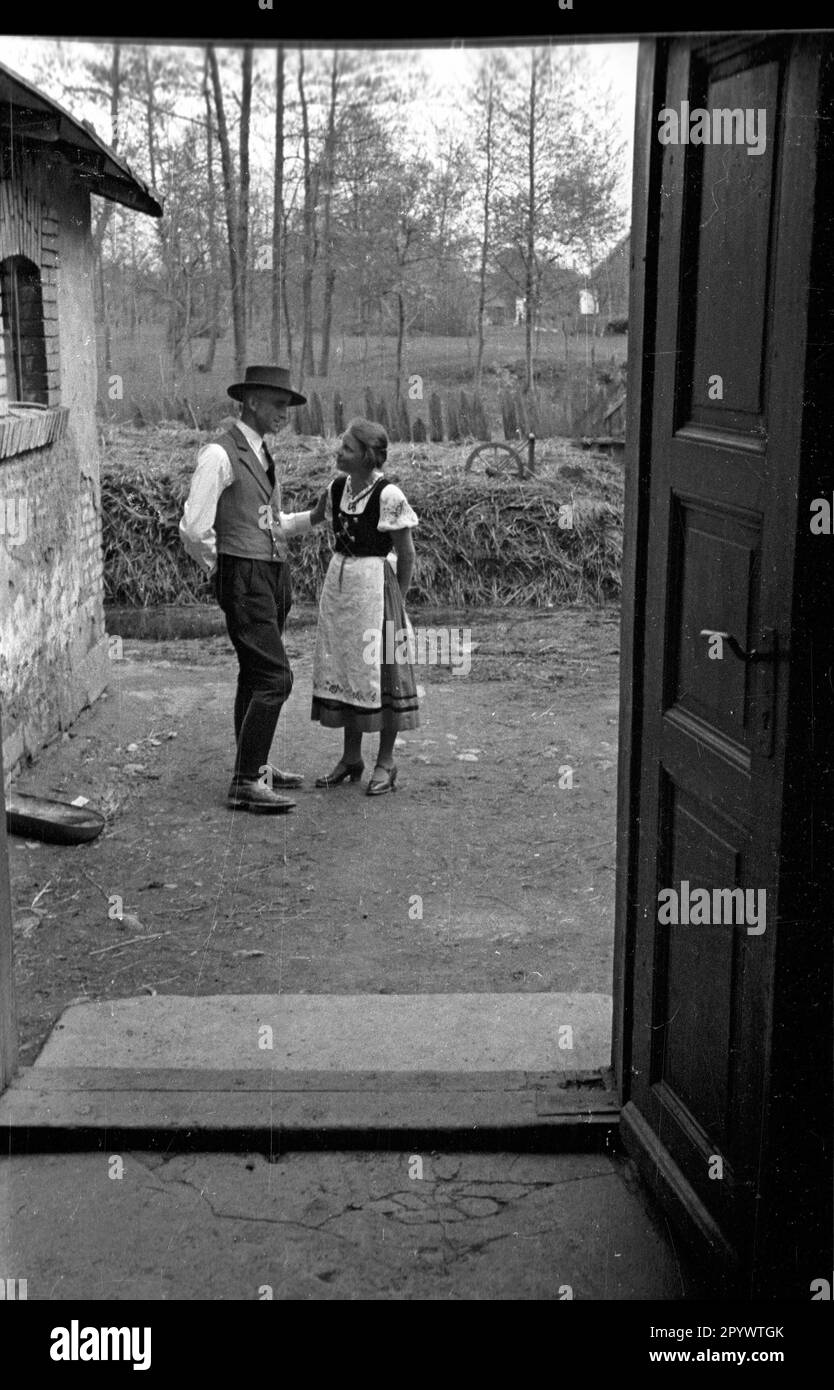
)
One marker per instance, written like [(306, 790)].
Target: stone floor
[(340, 1032), (333, 1225)]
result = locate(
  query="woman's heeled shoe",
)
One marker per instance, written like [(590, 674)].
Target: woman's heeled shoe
[(352, 770), (377, 787)]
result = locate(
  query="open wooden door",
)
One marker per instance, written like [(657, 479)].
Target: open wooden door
[(721, 1026)]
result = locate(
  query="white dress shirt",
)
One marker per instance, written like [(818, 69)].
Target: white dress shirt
[(212, 476)]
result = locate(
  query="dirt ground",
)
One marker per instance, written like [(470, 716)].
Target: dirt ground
[(481, 873)]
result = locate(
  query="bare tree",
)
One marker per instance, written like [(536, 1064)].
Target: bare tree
[(232, 205), (590, 207), (167, 230), (213, 259), (486, 99), (150, 114), (115, 86), (243, 198), (103, 220), (278, 239), (552, 181), (530, 259), (327, 234), (406, 239), (309, 247)]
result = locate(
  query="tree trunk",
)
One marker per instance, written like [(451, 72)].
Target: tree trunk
[(115, 88), (485, 236), (238, 314), (327, 320), (400, 341), (287, 320), (107, 355), (243, 200), (131, 298), (531, 231), (329, 261), (149, 117), (168, 241), (115, 94), (308, 251), (278, 208), (530, 256), (213, 298)]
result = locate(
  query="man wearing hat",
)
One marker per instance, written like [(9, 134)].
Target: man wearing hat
[(234, 528)]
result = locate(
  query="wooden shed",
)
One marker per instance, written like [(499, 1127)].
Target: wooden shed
[(53, 646)]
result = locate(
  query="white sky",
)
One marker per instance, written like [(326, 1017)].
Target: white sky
[(614, 65)]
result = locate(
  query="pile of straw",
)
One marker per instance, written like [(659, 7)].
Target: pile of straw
[(480, 540)]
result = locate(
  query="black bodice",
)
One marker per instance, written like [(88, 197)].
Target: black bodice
[(358, 534)]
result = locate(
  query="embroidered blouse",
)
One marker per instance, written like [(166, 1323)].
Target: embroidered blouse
[(395, 514)]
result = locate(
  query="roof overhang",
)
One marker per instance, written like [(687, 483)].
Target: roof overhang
[(34, 121)]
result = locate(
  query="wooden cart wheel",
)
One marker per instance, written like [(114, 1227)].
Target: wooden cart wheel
[(496, 457)]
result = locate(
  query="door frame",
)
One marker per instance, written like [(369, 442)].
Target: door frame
[(810, 742), (795, 1141), (642, 307)]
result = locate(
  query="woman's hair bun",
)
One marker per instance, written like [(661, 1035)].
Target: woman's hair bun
[(372, 437)]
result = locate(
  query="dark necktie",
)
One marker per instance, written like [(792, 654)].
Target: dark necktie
[(279, 544), (270, 466)]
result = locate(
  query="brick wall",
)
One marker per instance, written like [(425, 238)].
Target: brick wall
[(53, 647)]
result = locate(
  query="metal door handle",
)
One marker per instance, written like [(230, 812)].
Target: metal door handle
[(767, 654), (756, 653), (767, 651)]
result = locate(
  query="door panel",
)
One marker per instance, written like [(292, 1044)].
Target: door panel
[(727, 245), (714, 554), (728, 242)]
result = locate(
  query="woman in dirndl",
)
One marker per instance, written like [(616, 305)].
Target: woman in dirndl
[(363, 676)]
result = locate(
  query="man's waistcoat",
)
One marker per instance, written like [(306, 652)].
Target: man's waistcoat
[(240, 522)]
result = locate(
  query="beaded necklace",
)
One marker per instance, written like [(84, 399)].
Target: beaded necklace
[(350, 499)]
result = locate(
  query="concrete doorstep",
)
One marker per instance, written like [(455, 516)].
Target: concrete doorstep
[(319, 1069)]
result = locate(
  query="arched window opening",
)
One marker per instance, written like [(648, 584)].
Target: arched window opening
[(24, 346)]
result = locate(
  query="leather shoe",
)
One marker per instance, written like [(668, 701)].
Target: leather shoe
[(256, 796), (378, 787), (348, 770), (274, 777)]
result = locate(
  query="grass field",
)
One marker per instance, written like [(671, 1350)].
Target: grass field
[(576, 376)]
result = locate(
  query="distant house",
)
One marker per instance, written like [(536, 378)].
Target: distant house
[(496, 311), (53, 646), (556, 299), (559, 298)]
